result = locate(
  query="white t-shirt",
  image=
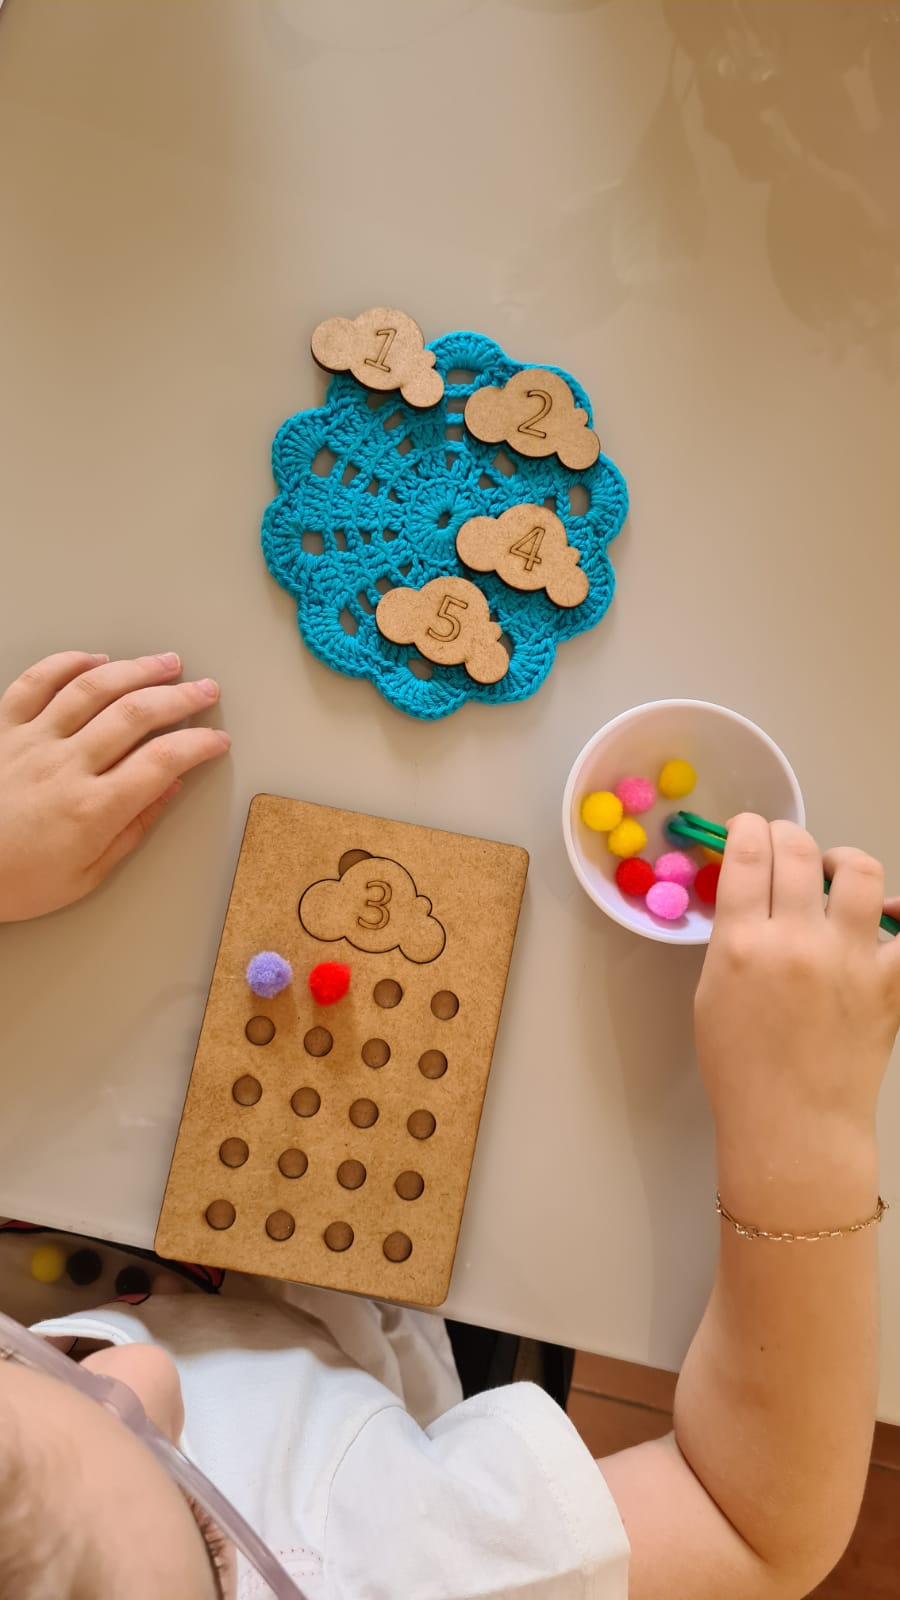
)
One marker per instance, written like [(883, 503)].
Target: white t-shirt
[(336, 1425)]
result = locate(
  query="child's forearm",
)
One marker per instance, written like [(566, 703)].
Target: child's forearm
[(775, 1403)]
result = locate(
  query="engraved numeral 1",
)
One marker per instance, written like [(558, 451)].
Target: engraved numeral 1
[(387, 336)]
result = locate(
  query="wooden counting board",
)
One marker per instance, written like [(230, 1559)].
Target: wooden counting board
[(332, 1145)]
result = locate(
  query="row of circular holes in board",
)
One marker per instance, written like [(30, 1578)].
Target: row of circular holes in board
[(375, 1052), (387, 993), (305, 1102), (280, 1225)]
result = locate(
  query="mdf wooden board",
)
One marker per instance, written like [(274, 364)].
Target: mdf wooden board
[(337, 1149)]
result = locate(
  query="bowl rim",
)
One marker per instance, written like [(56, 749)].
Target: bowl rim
[(660, 934)]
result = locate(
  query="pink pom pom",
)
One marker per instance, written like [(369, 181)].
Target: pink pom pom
[(675, 867), (637, 795), (669, 901)]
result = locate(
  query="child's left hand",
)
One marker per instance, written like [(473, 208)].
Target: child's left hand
[(81, 780)]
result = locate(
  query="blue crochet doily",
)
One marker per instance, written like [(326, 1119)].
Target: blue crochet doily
[(381, 507)]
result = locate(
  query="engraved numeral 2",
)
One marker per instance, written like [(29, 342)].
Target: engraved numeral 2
[(528, 547), (454, 627), (387, 337), (528, 426), (380, 906)]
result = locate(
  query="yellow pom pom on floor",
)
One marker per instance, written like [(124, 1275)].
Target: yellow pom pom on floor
[(48, 1264), (601, 811), (676, 780), (628, 839)]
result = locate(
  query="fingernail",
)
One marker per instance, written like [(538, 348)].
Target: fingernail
[(99, 659), (175, 787), (170, 660), (209, 687), (224, 739)]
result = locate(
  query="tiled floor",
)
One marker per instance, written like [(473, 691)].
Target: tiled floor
[(614, 1404)]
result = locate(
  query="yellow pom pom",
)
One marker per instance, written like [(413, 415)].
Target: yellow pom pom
[(676, 779), (628, 839), (48, 1264), (601, 811)]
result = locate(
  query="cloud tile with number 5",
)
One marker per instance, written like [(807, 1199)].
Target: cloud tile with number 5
[(449, 622), (527, 547), (376, 907), (384, 349), (535, 413)]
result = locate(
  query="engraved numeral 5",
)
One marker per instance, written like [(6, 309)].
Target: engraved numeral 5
[(445, 612)]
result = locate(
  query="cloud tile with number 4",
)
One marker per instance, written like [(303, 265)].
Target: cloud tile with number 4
[(527, 547)]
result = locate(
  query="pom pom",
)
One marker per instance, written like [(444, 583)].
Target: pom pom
[(48, 1264), (669, 901), (676, 867), (676, 779), (601, 811), (706, 882), (628, 839), (329, 982), (637, 795), (712, 855), (268, 973), (635, 876)]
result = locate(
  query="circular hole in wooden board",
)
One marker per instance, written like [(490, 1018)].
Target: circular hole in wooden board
[(421, 1124), (220, 1214), (363, 1113), (444, 1004), (397, 1247), (318, 1042), (376, 1052), (351, 1174), (338, 1236), (246, 1090), (387, 993), (305, 1102), (260, 1030), (293, 1163), (233, 1152), (280, 1225), (433, 1064), (409, 1185)]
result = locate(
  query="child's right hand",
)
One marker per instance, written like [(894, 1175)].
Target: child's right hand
[(799, 1002), (81, 780)]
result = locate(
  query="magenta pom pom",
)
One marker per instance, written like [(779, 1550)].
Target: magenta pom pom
[(675, 867), (637, 795), (669, 901), (268, 973)]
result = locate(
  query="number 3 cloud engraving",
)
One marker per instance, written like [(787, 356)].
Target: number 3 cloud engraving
[(376, 907)]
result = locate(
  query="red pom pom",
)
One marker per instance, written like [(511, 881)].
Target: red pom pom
[(706, 883), (635, 876), (329, 982)]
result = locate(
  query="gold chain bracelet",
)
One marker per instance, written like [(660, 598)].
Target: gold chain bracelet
[(747, 1230)]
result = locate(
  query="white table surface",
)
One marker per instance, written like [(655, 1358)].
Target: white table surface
[(699, 228)]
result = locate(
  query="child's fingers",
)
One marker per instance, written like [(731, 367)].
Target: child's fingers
[(117, 730), (131, 835), (88, 695), (36, 687), (745, 887), (139, 780), (856, 897), (797, 878)]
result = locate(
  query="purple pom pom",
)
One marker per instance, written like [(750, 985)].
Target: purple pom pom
[(268, 973)]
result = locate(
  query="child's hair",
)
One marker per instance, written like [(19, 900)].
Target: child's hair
[(40, 1559)]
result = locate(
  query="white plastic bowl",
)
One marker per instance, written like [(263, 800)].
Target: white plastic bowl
[(739, 768)]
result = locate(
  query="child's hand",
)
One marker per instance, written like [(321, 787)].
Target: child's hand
[(78, 787), (799, 1001)]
